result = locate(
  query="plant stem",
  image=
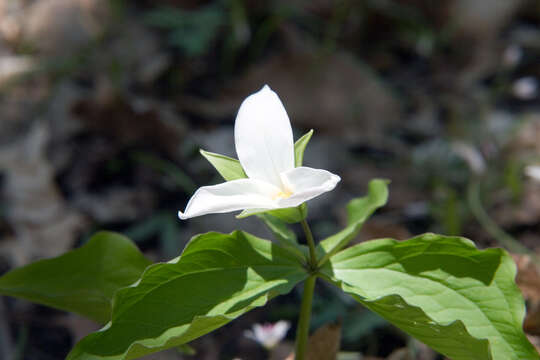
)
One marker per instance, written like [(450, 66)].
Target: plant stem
[(475, 204), (311, 244), (302, 331), (504, 239)]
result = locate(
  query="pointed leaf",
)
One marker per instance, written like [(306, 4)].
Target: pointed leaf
[(83, 280), (358, 211), (441, 290), (216, 279), (228, 168), (280, 229), (300, 147), (285, 236)]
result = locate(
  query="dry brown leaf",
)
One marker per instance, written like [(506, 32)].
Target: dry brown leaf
[(68, 24), (535, 340), (528, 280), (324, 343), (528, 277)]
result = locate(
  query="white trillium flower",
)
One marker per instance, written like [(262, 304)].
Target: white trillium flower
[(264, 145), (268, 335)]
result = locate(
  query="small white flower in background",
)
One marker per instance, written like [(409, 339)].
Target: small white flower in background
[(525, 88), (264, 144), (533, 171), (268, 335)]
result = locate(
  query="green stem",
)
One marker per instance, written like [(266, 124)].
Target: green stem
[(302, 331), (311, 244), (475, 204)]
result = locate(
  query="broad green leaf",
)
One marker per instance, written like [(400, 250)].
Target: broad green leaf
[(358, 211), (300, 147), (216, 279), (83, 280), (229, 168), (459, 300)]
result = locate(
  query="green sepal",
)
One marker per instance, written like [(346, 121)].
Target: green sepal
[(229, 168), (83, 280), (290, 215), (461, 301), (358, 211), (280, 229), (300, 147)]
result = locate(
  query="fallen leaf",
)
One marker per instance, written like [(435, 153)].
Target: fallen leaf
[(323, 344)]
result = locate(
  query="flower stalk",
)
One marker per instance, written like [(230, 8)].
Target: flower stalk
[(311, 244), (302, 330)]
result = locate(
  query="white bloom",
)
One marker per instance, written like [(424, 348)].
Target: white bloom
[(533, 171), (268, 335), (264, 144), (525, 88)]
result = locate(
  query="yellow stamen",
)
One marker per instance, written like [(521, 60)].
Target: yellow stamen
[(283, 195)]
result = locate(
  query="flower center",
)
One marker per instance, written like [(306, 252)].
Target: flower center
[(283, 194)]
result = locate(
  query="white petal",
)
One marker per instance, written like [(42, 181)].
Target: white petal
[(305, 183), (230, 196), (280, 329), (263, 137)]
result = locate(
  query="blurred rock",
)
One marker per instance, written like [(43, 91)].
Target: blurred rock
[(138, 52), (526, 138), (12, 67), (132, 121), (43, 224), (60, 27), (335, 94), (477, 25), (116, 204)]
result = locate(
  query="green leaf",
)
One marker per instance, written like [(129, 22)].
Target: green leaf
[(186, 349), (300, 147), (280, 230), (358, 211), (228, 168), (216, 279), (83, 280), (285, 236), (441, 290)]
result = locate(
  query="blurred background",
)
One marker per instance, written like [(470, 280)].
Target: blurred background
[(104, 105)]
